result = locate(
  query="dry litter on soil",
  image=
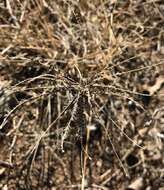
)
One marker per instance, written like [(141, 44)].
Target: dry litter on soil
[(81, 94)]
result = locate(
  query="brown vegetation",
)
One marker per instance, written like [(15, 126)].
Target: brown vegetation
[(81, 94)]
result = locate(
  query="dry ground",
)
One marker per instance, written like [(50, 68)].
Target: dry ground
[(81, 94)]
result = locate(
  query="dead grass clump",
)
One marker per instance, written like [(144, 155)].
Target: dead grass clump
[(81, 85)]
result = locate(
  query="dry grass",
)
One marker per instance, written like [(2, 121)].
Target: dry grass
[(66, 65)]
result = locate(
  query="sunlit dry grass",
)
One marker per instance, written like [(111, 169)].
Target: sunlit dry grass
[(72, 64)]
